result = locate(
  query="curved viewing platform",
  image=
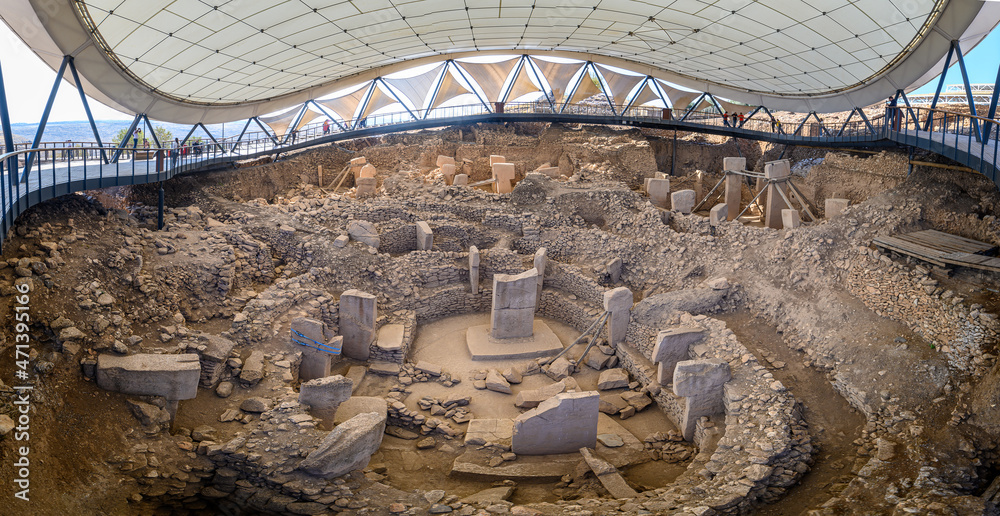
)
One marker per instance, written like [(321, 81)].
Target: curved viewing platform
[(31, 176)]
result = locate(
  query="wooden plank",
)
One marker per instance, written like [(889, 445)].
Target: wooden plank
[(915, 252), (937, 242), (934, 235), (915, 247)]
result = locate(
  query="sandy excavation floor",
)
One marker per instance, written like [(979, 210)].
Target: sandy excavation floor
[(866, 380)]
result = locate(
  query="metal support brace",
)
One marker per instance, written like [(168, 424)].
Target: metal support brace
[(693, 106), (937, 92), (576, 86), (861, 113), (29, 160), (849, 117), (968, 90), (663, 96), (600, 82), (236, 144), (364, 105), (330, 116), (517, 70), (710, 192), (273, 138), (210, 137), (538, 78), (193, 127), (437, 89), (86, 108), (152, 132), (469, 82), (802, 124), (906, 102), (910, 161), (128, 136), (293, 128), (993, 107), (8, 136), (393, 93)]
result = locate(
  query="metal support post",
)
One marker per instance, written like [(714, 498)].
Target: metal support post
[(30, 158), (8, 136), (937, 92), (673, 153), (193, 127), (236, 144), (910, 161), (576, 86), (159, 209)]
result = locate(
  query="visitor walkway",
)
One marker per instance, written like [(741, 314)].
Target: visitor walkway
[(63, 168)]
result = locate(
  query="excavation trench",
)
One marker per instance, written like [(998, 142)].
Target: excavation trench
[(833, 423)]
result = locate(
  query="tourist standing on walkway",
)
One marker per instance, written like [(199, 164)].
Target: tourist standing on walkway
[(741, 120), (175, 153), (326, 126)]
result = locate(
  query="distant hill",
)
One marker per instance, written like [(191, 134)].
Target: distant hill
[(81, 132)]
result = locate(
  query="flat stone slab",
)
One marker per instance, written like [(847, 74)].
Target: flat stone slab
[(482, 346), (360, 405), (489, 431), (175, 377), (474, 463), (390, 337)]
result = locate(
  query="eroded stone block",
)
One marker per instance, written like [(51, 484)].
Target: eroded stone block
[(683, 201), (357, 323), (561, 424), (175, 377), (718, 214), (835, 207), (672, 347), (659, 192), (790, 219), (425, 237)]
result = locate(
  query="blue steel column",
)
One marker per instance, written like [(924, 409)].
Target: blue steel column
[(330, 116), (469, 82), (437, 89), (937, 92), (152, 132), (993, 106), (538, 78), (387, 88), (45, 117), (128, 136), (6, 189), (968, 90), (517, 71), (86, 107)]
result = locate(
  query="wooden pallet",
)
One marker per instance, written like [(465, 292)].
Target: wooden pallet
[(942, 249)]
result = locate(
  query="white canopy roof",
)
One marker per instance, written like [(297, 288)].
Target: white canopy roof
[(216, 60)]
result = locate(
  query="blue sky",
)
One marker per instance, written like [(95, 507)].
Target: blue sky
[(28, 81)]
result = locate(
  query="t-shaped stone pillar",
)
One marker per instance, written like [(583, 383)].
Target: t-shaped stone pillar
[(701, 382), (734, 185), (541, 259), (474, 268), (775, 202), (357, 323), (514, 299), (619, 302), (311, 337)]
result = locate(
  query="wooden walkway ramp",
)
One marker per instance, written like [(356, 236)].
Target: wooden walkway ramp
[(942, 249)]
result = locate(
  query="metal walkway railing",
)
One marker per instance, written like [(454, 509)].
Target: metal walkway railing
[(59, 170)]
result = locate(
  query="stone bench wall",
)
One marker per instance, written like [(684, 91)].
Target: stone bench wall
[(408, 318), (396, 237)]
